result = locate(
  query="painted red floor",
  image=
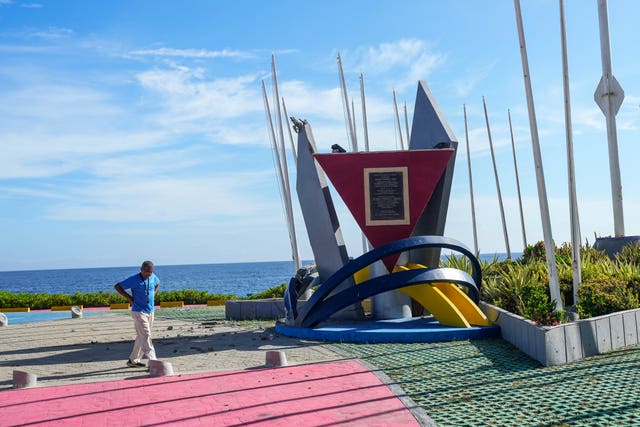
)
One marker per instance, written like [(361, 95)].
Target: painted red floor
[(323, 394)]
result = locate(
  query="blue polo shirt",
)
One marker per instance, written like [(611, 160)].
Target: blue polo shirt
[(142, 291)]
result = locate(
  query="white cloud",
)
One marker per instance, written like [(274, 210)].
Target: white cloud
[(153, 199), (472, 78), (186, 98), (192, 53), (413, 59), (53, 33), (38, 154)]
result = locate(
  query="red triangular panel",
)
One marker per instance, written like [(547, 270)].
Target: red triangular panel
[(347, 174)]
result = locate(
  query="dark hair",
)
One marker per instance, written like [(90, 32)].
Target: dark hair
[(146, 265)]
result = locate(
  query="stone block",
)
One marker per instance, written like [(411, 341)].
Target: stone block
[(275, 358), (122, 306), (616, 324), (573, 342), (556, 353), (630, 328), (603, 332), (537, 344), (76, 312), (589, 337), (168, 304), (24, 379), (158, 368)]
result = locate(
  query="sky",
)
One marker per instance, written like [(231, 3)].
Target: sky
[(136, 129)]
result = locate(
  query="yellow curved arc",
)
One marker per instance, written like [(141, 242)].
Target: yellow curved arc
[(449, 305), (469, 309), (434, 300)]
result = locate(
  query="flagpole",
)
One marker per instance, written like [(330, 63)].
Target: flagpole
[(573, 200), (515, 165), (554, 287), (473, 205), (609, 96), (495, 173)]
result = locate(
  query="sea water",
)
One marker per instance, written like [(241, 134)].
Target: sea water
[(240, 279)]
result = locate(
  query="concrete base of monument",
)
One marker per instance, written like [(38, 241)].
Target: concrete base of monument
[(407, 330), (612, 245)]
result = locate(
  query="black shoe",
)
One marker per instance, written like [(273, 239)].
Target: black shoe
[(135, 365)]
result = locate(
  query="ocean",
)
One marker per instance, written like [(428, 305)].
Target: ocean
[(240, 279)]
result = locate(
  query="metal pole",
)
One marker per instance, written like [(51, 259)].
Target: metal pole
[(554, 287), (274, 145), (355, 134), (345, 100), (406, 123), (364, 114), (515, 165), (285, 169), (573, 200), (495, 173), (395, 108), (473, 205), (293, 145), (609, 96)]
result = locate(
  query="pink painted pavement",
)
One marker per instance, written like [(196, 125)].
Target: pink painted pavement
[(322, 394)]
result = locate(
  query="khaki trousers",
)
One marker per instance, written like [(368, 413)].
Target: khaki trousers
[(143, 323)]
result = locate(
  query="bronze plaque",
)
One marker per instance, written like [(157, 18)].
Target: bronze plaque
[(386, 196)]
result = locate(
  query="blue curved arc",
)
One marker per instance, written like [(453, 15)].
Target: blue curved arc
[(389, 282), (402, 245)]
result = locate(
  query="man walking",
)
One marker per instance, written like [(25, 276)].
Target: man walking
[(144, 286)]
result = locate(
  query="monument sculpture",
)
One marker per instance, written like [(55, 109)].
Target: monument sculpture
[(399, 199)]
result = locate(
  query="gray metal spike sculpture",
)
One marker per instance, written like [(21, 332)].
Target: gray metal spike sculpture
[(320, 218), (430, 130)]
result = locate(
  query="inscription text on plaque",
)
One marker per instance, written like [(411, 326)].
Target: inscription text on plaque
[(386, 193)]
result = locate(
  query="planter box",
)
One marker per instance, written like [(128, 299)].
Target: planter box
[(567, 342)]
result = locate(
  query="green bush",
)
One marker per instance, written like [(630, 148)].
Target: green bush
[(598, 296), (274, 292), (522, 289), (537, 306), (629, 254)]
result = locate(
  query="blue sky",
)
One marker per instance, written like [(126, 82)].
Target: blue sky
[(135, 129)]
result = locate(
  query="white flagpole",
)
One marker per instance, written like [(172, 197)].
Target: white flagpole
[(515, 165), (406, 123), (395, 108), (473, 205), (495, 173), (355, 135), (573, 200), (609, 96), (554, 287), (293, 145), (285, 170), (345, 101), (364, 114)]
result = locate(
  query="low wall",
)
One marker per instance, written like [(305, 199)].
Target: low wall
[(567, 342), (257, 309)]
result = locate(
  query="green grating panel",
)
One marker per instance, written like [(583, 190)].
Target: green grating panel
[(491, 383)]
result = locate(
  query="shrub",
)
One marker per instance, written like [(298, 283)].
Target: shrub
[(533, 253), (537, 306), (629, 254), (604, 295), (274, 292)]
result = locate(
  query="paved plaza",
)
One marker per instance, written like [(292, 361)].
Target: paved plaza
[(221, 375)]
